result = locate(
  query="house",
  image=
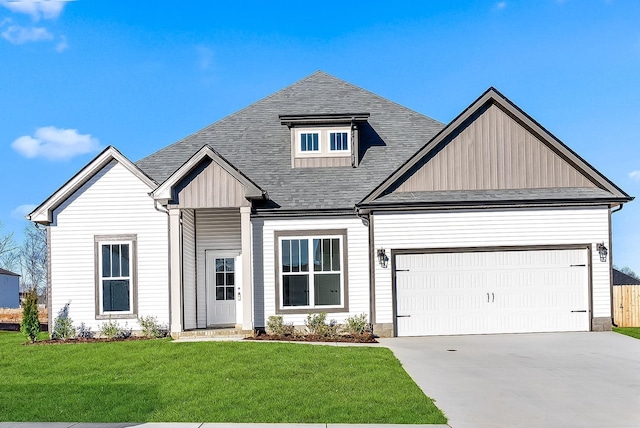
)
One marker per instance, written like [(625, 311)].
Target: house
[(9, 289), (324, 197)]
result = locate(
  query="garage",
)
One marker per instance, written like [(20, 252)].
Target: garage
[(486, 291)]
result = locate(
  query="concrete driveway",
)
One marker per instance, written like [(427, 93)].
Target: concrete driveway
[(528, 380)]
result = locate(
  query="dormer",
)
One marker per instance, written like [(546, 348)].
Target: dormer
[(324, 140)]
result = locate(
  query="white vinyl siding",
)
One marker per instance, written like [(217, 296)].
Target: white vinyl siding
[(357, 264), (493, 228), (113, 202), (189, 269), (216, 229)]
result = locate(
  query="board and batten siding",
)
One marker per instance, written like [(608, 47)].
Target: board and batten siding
[(494, 151), (492, 228), (216, 229), (113, 202), (357, 261), (189, 269)]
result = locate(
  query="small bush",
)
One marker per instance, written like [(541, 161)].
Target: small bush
[(151, 328), (276, 326), (63, 325), (124, 332), (356, 324), (84, 332), (30, 325), (110, 329), (333, 329), (316, 324)]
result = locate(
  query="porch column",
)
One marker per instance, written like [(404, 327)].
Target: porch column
[(247, 278), (175, 288)]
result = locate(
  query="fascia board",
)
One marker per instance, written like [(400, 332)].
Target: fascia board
[(44, 212)]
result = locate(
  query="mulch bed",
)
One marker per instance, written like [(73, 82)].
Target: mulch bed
[(348, 338)]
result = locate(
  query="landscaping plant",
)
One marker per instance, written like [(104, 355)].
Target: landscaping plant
[(151, 328), (30, 325), (356, 324), (110, 329), (63, 325)]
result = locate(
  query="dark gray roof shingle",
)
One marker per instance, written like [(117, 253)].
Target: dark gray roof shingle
[(620, 278), (255, 142)]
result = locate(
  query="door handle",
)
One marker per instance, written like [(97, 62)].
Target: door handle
[(493, 297), (584, 310), (403, 316), (487, 297)]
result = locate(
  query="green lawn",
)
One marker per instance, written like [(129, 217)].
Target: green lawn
[(157, 380), (629, 331)]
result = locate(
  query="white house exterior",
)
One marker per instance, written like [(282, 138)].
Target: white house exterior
[(9, 289), (298, 205)]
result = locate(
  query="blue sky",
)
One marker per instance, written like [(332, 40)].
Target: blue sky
[(78, 76)]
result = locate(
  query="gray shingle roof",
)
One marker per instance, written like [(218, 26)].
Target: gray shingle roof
[(6, 272), (255, 142), (498, 195), (620, 278)]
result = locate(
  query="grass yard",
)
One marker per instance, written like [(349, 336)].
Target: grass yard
[(161, 381), (629, 331)]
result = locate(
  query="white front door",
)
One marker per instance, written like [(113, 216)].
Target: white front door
[(492, 292), (223, 287)]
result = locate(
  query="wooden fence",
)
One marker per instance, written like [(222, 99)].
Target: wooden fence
[(626, 305)]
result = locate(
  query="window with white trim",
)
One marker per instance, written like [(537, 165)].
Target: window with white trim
[(115, 282), (323, 142), (311, 272)]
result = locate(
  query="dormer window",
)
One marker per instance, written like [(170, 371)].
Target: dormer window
[(309, 142), (324, 140)]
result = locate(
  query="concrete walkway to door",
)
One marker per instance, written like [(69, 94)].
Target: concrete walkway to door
[(528, 380)]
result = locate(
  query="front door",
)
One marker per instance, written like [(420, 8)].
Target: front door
[(223, 288)]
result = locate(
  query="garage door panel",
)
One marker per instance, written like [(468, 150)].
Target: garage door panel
[(491, 292)]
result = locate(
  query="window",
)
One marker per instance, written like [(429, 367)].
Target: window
[(311, 271), (115, 279), (309, 142), (323, 142), (338, 141), (225, 278)]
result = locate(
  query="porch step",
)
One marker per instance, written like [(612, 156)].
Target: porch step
[(218, 333)]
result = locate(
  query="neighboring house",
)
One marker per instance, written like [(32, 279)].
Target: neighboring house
[(626, 300), (326, 197), (9, 289)]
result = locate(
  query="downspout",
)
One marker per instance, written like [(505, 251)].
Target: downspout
[(367, 220), (613, 321)]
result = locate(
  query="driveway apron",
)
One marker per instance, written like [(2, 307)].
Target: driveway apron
[(528, 380)]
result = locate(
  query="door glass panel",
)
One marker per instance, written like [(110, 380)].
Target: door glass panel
[(225, 278)]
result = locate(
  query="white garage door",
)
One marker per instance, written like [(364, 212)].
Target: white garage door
[(492, 292)]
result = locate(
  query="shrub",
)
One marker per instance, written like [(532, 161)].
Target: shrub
[(109, 329), (276, 326), (151, 328), (316, 324), (63, 325), (124, 332), (333, 329), (30, 325), (356, 324), (84, 332)]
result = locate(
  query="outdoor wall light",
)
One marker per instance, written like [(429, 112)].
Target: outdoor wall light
[(602, 250), (382, 258)]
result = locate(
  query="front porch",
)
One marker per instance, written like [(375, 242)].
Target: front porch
[(208, 202)]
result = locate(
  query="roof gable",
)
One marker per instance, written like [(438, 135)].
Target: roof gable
[(493, 145), (207, 180), (44, 212)]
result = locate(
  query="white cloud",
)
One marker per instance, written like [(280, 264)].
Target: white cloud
[(501, 5), (21, 211), (19, 35), (62, 44), (53, 143), (46, 9), (635, 175)]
